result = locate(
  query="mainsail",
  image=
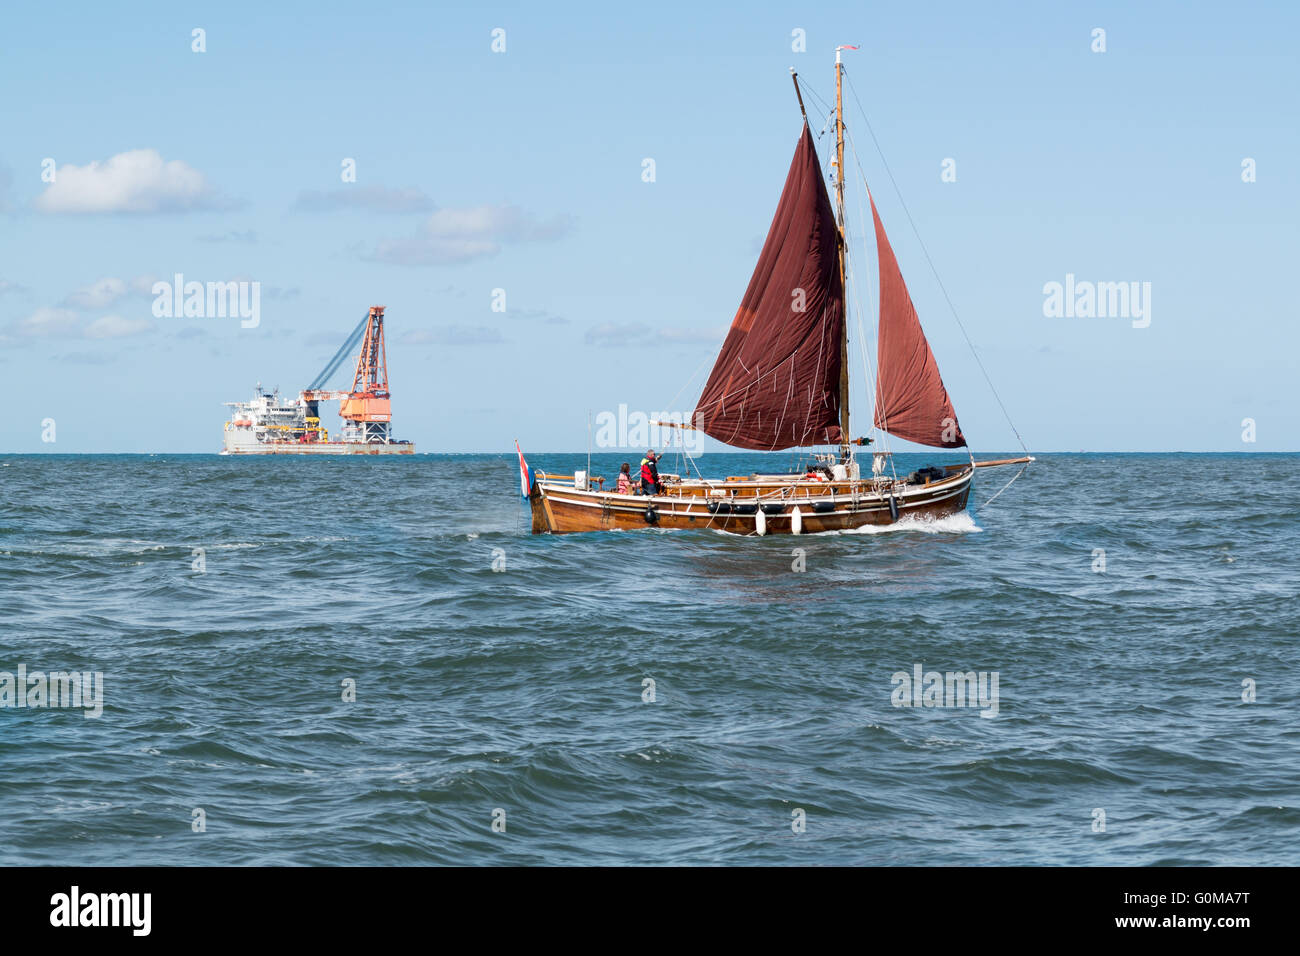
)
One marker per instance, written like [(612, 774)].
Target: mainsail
[(776, 381), (911, 401)]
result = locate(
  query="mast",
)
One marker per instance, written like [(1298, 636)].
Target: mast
[(845, 449)]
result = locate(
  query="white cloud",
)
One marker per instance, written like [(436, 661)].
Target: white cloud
[(502, 223), (48, 321), (537, 316), (138, 181), (671, 335), (475, 232), (7, 287), (107, 291), (615, 335), (98, 295), (116, 327), (86, 358), (454, 335), (68, 320), (247, 237), (373, 198), (429, 252)]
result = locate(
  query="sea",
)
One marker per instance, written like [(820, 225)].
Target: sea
[(372, 661)]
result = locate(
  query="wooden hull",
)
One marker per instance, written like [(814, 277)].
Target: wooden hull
[(733, 505)]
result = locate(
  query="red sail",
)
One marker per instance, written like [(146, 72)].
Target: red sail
[(776, 381), (911, 401)]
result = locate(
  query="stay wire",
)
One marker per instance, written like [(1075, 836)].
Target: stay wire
[(915, 231)]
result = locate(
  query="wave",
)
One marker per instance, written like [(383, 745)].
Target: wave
[(960, 523)]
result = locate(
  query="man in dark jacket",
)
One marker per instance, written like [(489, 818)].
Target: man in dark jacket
[(650, 473)]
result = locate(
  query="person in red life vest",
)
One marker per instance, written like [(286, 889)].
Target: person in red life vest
[(650, 473), (625, 479)]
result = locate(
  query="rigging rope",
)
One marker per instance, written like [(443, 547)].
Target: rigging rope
[(707, 358), (826, 107), (933, 269), (1005, 487), (868, 368)]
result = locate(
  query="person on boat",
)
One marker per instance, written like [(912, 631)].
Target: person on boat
[(650, 473), (625, 479)]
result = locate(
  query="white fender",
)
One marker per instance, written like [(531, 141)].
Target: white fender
[(796, 522), (760, 521)]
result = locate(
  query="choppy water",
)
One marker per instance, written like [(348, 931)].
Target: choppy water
[(522, 689)]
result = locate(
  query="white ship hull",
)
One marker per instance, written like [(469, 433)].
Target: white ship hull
[(321, 448)]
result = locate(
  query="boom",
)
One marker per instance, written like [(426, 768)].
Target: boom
[(340, 356)]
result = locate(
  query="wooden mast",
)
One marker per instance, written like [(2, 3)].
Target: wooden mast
[(845, 439)]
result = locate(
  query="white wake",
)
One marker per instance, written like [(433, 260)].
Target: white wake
[(960, 523)]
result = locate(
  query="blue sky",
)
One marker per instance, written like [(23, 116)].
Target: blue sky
[(522, 171)]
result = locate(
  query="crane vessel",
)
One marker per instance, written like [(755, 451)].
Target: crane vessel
[(271, 425)]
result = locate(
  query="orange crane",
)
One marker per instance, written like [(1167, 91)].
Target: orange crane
[(367, 408), (368, 403)]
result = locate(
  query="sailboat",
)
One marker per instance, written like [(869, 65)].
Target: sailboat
[(781, 380)]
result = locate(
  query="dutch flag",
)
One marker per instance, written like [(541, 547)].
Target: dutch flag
[(525, 473)]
